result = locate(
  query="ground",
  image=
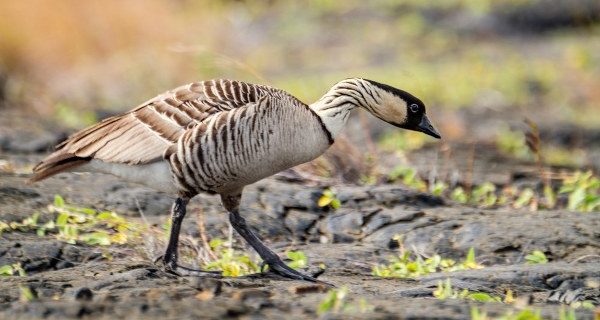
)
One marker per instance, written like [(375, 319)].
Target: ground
[(120, 281)]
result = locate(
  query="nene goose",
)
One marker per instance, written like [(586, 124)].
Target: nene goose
[(221, 135)]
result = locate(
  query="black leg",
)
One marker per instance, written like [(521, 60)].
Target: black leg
[(169, 259), (269, 257)]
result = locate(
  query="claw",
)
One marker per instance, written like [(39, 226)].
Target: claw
[(176, 269), (282, 269)]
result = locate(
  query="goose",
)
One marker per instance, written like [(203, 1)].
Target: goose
[(219, 136)]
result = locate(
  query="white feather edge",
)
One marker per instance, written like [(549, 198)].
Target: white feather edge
[(156, 175)]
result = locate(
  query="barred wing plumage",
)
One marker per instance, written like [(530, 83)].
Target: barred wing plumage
[(143, 134)]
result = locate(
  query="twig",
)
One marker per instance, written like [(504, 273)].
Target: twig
[(585, 257), (137, 204), (203, 237)]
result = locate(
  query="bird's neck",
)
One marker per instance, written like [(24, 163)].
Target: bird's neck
[(335, 106)]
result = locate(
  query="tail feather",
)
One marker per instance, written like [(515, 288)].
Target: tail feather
[(58, 162)]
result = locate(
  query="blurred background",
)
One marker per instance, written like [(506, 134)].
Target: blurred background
[(482, 67)]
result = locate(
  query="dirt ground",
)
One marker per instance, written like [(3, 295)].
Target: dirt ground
[(76, 281)]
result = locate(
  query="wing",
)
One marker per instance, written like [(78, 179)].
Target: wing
[(143, 134)]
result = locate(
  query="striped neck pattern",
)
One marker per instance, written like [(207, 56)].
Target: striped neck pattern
[(335, 106)]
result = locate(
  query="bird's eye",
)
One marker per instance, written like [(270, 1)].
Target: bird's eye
[(414, 108)]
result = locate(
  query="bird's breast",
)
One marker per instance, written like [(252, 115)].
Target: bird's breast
[(239, 150)]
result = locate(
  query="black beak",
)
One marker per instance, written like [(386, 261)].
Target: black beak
[(426, 127)]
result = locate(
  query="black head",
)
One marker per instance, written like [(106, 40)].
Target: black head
[(413, 117)]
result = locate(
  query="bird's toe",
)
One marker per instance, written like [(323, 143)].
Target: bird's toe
[(284, 270)]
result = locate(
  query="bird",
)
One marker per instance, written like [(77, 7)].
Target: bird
[(218, 136)]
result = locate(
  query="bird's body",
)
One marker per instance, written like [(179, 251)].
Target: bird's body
[(221, 135), (211, 136)]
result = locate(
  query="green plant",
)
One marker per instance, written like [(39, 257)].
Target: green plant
[(409, 265), (88, 225), (567, 315), (524, 198), (298, 258), (459, 195), (231, 262), (26, 294), (74, 224), (407, 176), (445, 291), (11, 269), (478, 315), (525, 314), (484, 195), (23, 226), (469, 262), (234, 263), (586, 304), (583, 191), (438, 188), (6, 270), (336, 301), (536, 257), (329, 198)]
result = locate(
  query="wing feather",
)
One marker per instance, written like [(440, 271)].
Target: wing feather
[(143, 134)]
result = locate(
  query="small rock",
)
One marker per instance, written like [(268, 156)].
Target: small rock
[(84, 294), (299, 221), (214, 286), (305, 289), (247, 294)]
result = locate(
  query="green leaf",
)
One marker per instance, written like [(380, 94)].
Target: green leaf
[(483, 297), (59, 201), (524, 198), (527, 314), (477, 315), (88, 211), (62, 219), (470, 256), (536, 257), (576, 198), (334, 302), (96, 238), (459, 195), (324, 201), (215, 243), (298, 258), (105, 215), (550, 197), (6, 270), (438, 188), (336, 204), (26, 294)]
